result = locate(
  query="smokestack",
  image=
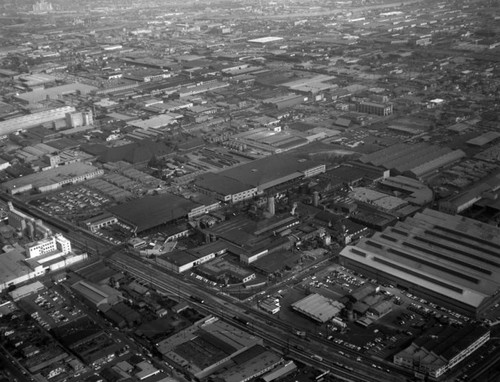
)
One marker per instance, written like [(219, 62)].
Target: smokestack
[(270, 205), (31, 230), (315, 198)]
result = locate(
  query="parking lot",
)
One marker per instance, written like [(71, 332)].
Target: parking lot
[(72, 203), (50, 309)]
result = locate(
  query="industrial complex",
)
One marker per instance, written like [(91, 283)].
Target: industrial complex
[(249, 191)]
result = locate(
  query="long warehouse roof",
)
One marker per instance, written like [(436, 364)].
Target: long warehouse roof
[(452, 255)]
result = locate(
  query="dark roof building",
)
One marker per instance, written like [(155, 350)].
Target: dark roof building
[(416, 160), (137, 152), (153, 211), (274, 170), (441, 348)]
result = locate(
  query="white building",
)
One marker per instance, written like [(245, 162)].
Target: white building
[(18, 264), (55, 243)]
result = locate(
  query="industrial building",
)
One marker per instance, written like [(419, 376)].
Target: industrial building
[(409, 189), (18, 264), (54, 93), (485, 189), (97, 295), (183, 260), (156, 122), (286, 101), (95, 223), (52, 179), (274, 171), (381, 109), (151, 212), (415, 161), (450, 260), (269, 138), (441, 348), (223, 188), (206, 347), (318, 307), (30, 120), (250, 364), (222, 270)]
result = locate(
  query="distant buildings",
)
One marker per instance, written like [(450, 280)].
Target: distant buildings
[(52, 179), (35, 119), (56, 92), (380, 109), (416, 161)]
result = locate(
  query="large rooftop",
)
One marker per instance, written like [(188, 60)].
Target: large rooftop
[(450, 255), (272, 170), (221, 184), (152, 211), (51, 176), (318, 307), (418, 159)]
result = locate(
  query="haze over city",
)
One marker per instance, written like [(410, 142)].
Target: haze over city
[(249, 190)]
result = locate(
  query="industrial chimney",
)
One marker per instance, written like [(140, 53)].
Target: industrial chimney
[(270, 205)]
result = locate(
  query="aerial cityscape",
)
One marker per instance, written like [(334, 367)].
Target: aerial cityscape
[(250, 190)]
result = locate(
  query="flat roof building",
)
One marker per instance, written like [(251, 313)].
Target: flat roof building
[(31, 120), (318, 307), (274, 170), (54, 93), (153, 211), (416, 160)]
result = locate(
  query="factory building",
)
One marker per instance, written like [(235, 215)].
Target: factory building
[(450, 260), (207, 347), (224, 189), (55, 93), (487, 188), (441, 348), (52, 179), (381, 109), (35, 119), (274, 171), (416, 161)]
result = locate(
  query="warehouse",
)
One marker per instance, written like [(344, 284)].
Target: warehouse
[(441, 348), (224, 189), (52, 179), (55, 93), (318, 307), (450, 260), (274, 170), (206, 347), (151, 212), (415, 161)]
